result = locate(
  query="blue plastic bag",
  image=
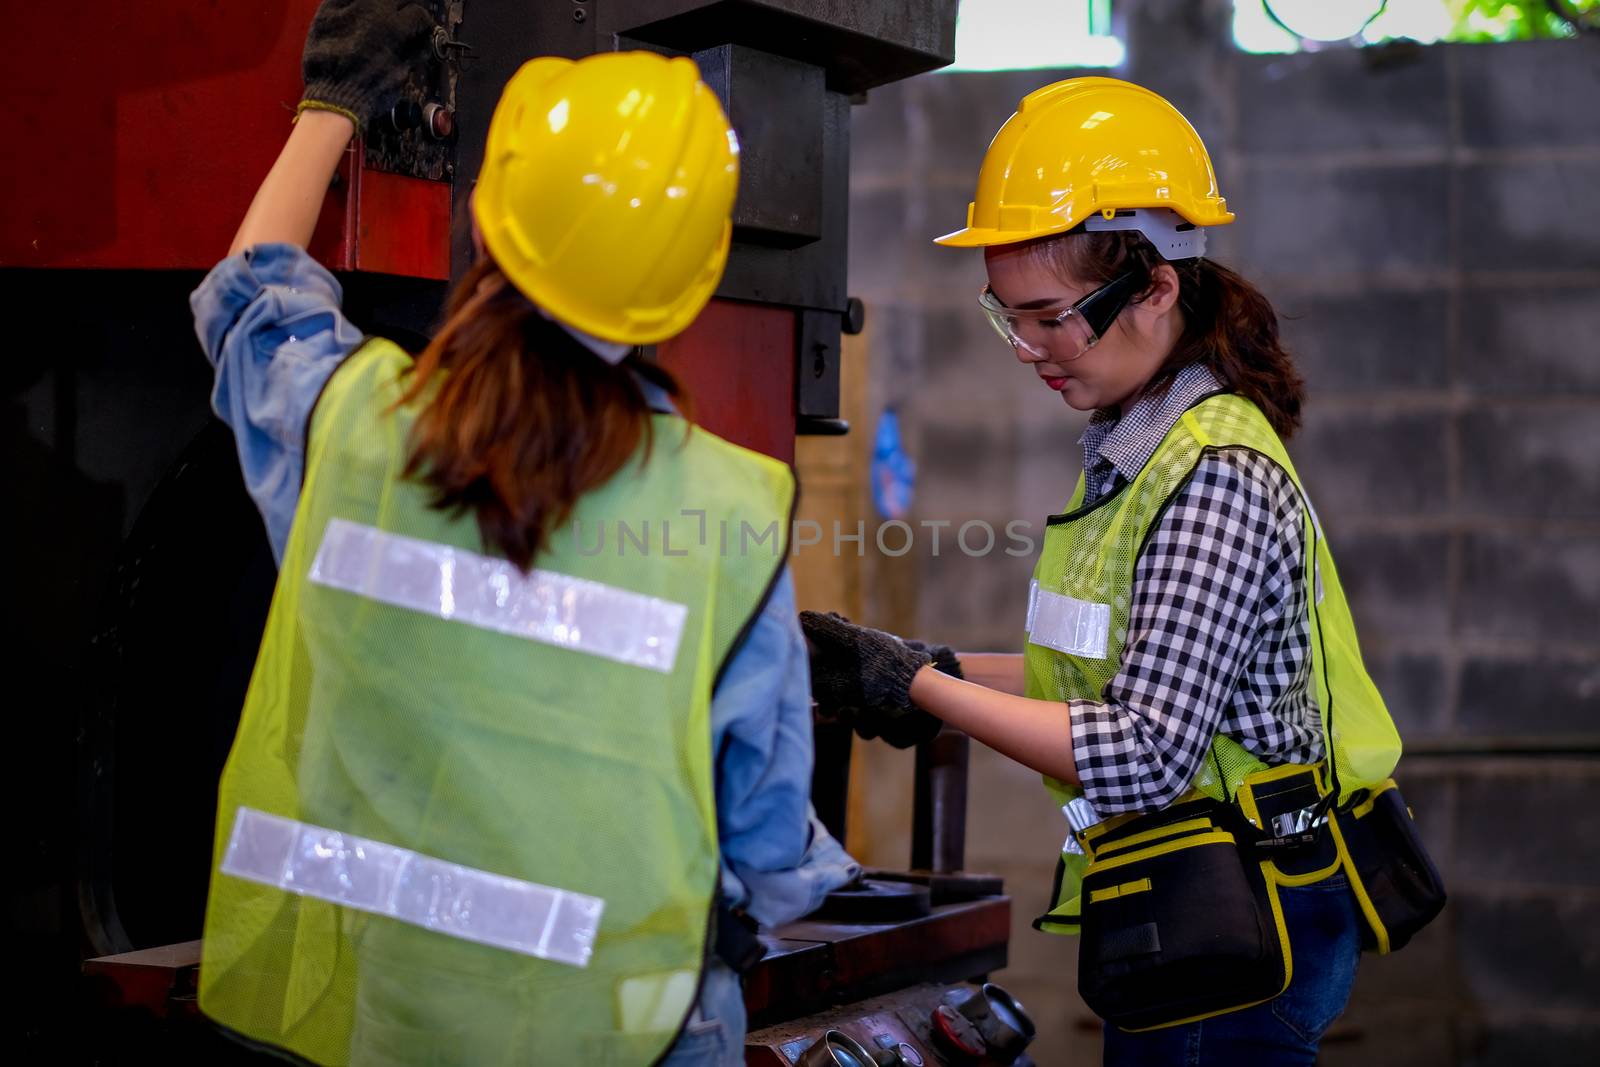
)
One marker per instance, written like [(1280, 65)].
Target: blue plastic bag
[(894, 475)]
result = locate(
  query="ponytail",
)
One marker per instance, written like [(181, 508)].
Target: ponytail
[(519, 420), (1228, 325)]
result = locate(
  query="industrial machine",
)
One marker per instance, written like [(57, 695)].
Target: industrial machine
[(140, 574)]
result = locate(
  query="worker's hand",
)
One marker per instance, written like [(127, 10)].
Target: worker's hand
[(944, 657), (359, 53), (862, 676)]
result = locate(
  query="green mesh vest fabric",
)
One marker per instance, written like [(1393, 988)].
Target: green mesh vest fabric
[(1087, 561), (445, 761)]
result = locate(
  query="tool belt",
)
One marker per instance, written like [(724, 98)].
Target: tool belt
[(1181, 916)]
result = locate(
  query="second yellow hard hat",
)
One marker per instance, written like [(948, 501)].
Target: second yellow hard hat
[(1084, 147)]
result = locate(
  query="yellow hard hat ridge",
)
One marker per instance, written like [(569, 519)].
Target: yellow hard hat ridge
[(607, 189), (1099, 153)]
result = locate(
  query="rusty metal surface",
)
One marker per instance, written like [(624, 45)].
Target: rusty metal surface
[(901, 1016), (416, 152), (849, 961)]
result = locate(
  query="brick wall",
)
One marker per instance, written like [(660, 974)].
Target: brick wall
[(1427, 222)]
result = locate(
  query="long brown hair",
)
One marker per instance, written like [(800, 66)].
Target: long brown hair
[(522, 420), (1228, 325)]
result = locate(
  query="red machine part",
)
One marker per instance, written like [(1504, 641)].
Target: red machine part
[(737, 364), (384, 223), (955, 1033), (139, 132)]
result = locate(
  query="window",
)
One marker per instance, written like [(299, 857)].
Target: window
[(1034, 34), (1295, 25)]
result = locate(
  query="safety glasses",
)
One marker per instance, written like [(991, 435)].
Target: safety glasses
[(1059, 334)]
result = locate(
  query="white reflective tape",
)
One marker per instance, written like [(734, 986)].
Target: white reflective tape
[(1316, 561), (1033, 605), (1312, 511), (1066, 624), (463, 586), (370, 876)]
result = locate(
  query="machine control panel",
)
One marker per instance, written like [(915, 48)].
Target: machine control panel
[(955, 1035), (417, 137), (924, 1026)]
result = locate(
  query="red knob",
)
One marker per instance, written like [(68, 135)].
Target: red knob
[(440, 121), (956, 1033)]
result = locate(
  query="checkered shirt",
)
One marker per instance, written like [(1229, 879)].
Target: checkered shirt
[(1218, 634)]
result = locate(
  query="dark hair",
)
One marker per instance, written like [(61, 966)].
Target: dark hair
[(522, 420), (1228, 325)]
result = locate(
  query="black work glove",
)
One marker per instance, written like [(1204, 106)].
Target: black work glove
[(944, 657), (862, 677), (917, 726), (359, 54)]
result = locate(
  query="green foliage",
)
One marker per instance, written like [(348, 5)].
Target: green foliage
[(1517, 20)]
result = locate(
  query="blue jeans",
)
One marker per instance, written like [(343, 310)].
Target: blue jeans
[(714, 1035), (1325, 935)]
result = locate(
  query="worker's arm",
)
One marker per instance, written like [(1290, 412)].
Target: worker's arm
[(854, 666), (286, 207), (1035, 733), (268, 316), (994, 670), (779, 861), (358, 54)]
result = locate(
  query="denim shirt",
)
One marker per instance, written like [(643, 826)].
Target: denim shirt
[(269, 321)]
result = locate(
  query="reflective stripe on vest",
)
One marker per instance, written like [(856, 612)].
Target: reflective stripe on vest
[(1067, 624), (381, 879), (465, 586)]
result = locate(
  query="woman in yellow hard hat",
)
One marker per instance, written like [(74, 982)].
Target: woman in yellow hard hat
[(1189, 652), (496, 777)]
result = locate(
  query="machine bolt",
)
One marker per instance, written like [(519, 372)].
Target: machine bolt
[(855, 316)]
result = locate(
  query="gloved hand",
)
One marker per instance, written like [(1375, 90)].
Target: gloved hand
[(944, 657), (917, 726), (862, 677), (359, 54)]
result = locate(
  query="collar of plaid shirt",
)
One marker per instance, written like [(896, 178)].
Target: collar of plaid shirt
[(1116, 446)]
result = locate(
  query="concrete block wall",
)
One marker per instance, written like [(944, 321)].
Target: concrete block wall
[(1425, 221)]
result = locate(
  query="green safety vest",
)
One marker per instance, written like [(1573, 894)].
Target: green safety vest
[(1078, 619), (469, 814)]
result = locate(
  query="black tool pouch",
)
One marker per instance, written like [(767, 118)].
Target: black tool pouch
[(1392, 875), (1178, 921)]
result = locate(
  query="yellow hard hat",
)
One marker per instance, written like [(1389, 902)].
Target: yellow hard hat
[(1087, 147), (606, 193)]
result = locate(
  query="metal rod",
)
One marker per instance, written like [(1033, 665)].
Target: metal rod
[(939, 804)]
